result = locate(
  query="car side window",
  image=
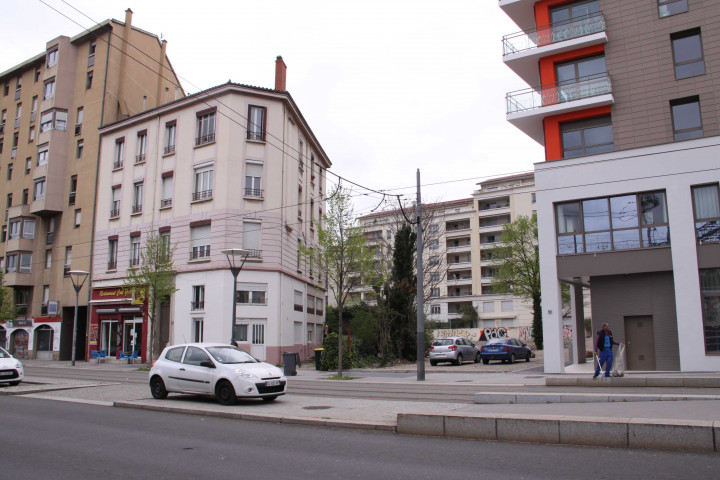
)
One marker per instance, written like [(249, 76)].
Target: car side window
[(458, 342), (195, 356), (174, 354)]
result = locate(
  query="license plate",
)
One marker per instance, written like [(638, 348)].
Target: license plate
[(6, 373), (494, 350), (272, 383)]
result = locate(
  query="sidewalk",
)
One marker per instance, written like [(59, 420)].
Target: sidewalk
[(690, 424)]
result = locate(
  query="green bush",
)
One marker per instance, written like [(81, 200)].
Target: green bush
[(330, 355)]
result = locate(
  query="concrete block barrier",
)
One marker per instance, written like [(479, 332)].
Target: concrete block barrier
[(538, 429), (480, 428), (594, 431), (418, 424), (696, 435)]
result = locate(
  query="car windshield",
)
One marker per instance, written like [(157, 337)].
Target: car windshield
[(230, 354), (443, 341), (4, 353), (496, 340)]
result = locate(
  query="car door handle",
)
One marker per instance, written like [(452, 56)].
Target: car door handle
[(182, 369)]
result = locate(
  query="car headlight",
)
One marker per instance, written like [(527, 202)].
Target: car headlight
[(248, 375), (18, 365)]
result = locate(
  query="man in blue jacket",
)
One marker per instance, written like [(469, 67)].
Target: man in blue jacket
[(603, 349)]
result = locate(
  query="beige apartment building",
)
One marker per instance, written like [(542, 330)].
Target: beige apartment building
[(458, 259), (231, 167), (52, 106)]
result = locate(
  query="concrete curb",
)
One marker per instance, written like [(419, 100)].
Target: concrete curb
[(534, 398), (691, 435), (690, 382), (264, 418)]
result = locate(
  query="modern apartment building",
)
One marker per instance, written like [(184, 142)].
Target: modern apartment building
[(51, 106), (623, 97), (232, 167), (460, 239)]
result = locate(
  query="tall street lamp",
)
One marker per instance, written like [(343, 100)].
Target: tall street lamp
[(232, 254), (78, 278)]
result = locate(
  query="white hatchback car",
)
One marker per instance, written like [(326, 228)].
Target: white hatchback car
[(215, 369), (11, 369)]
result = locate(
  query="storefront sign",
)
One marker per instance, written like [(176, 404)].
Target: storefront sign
[(23, 322), (93, 334)]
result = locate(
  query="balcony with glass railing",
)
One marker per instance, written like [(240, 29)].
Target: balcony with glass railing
[(522, 50), (527, 108)]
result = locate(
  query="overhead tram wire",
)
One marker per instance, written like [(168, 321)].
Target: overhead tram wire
[(288, 146)]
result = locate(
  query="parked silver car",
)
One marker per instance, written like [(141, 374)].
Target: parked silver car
[(454, 350)]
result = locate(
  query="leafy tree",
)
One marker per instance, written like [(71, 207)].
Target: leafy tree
[(154, 281), (468, 317), (401, 295), (7, 306), (342, 254), (519, 270)]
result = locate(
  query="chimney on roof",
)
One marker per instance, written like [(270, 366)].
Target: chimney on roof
[(128, 18), (280, 74)]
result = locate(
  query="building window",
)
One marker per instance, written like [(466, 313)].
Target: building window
[(91, 54), (256, 123), (137, 197), (301, 149), (170, 132), (311, 304), (73, 190), (51, 58), (581, 78), (33, 112), (434, 244), (49, 89), (9, 171), (11, 264), (671, 7), (706, 206), (39, 190), (614, 223), (255, 295), (28, 228), (42, 155), (200, 238), (688, 54), (198, 328), (79, 121), (14, 231), (506, 305), (251, 237), (31, 135), (25, 262), (119, 155), (253, 179), (45, 299), (435, 309), (205, 129), (78, 217), (26, 196), (167, 191), (687, 121), (203, 182), (115, 202), (28, 165), (710, 294), (88, 80), (198, 297), (135, 250), (48, 258), (141, 147), (434, 292), (68, 260), (112, 253), (298, 303), (587, 137), (79, 150)]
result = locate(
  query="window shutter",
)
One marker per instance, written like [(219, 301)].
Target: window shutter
[(251, 235)]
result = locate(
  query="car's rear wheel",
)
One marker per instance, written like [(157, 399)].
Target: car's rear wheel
[(512, 358), (477, 357), (157, 388), (486, 361), (270, 399), (433, 362), (225, 393), (459, 359)]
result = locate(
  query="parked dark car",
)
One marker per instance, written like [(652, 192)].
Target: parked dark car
[(506, 349)]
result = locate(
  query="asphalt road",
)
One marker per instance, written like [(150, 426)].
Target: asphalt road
[(60, 440)]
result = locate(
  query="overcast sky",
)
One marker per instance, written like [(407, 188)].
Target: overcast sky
[(387, 86)]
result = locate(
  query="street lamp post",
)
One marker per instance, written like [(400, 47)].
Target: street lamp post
[(78, 278), (232, 254)]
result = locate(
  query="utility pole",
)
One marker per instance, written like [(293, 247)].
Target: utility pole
[(420, 289)]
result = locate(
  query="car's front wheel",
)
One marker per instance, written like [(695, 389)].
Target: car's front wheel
[(270, 399), (527, 359), (157, 388), (15, 384), (459, 359), (433, 362), (486, 361), (225, 393)]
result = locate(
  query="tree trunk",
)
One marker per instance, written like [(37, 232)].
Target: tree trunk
[(340, 342)]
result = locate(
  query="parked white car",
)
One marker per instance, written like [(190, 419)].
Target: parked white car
[(11, 369), (217, 369), (454, 350)]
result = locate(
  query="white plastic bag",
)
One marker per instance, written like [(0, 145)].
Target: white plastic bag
[(619, 364)]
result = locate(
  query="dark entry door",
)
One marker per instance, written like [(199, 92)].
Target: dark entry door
[(640, 341)]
